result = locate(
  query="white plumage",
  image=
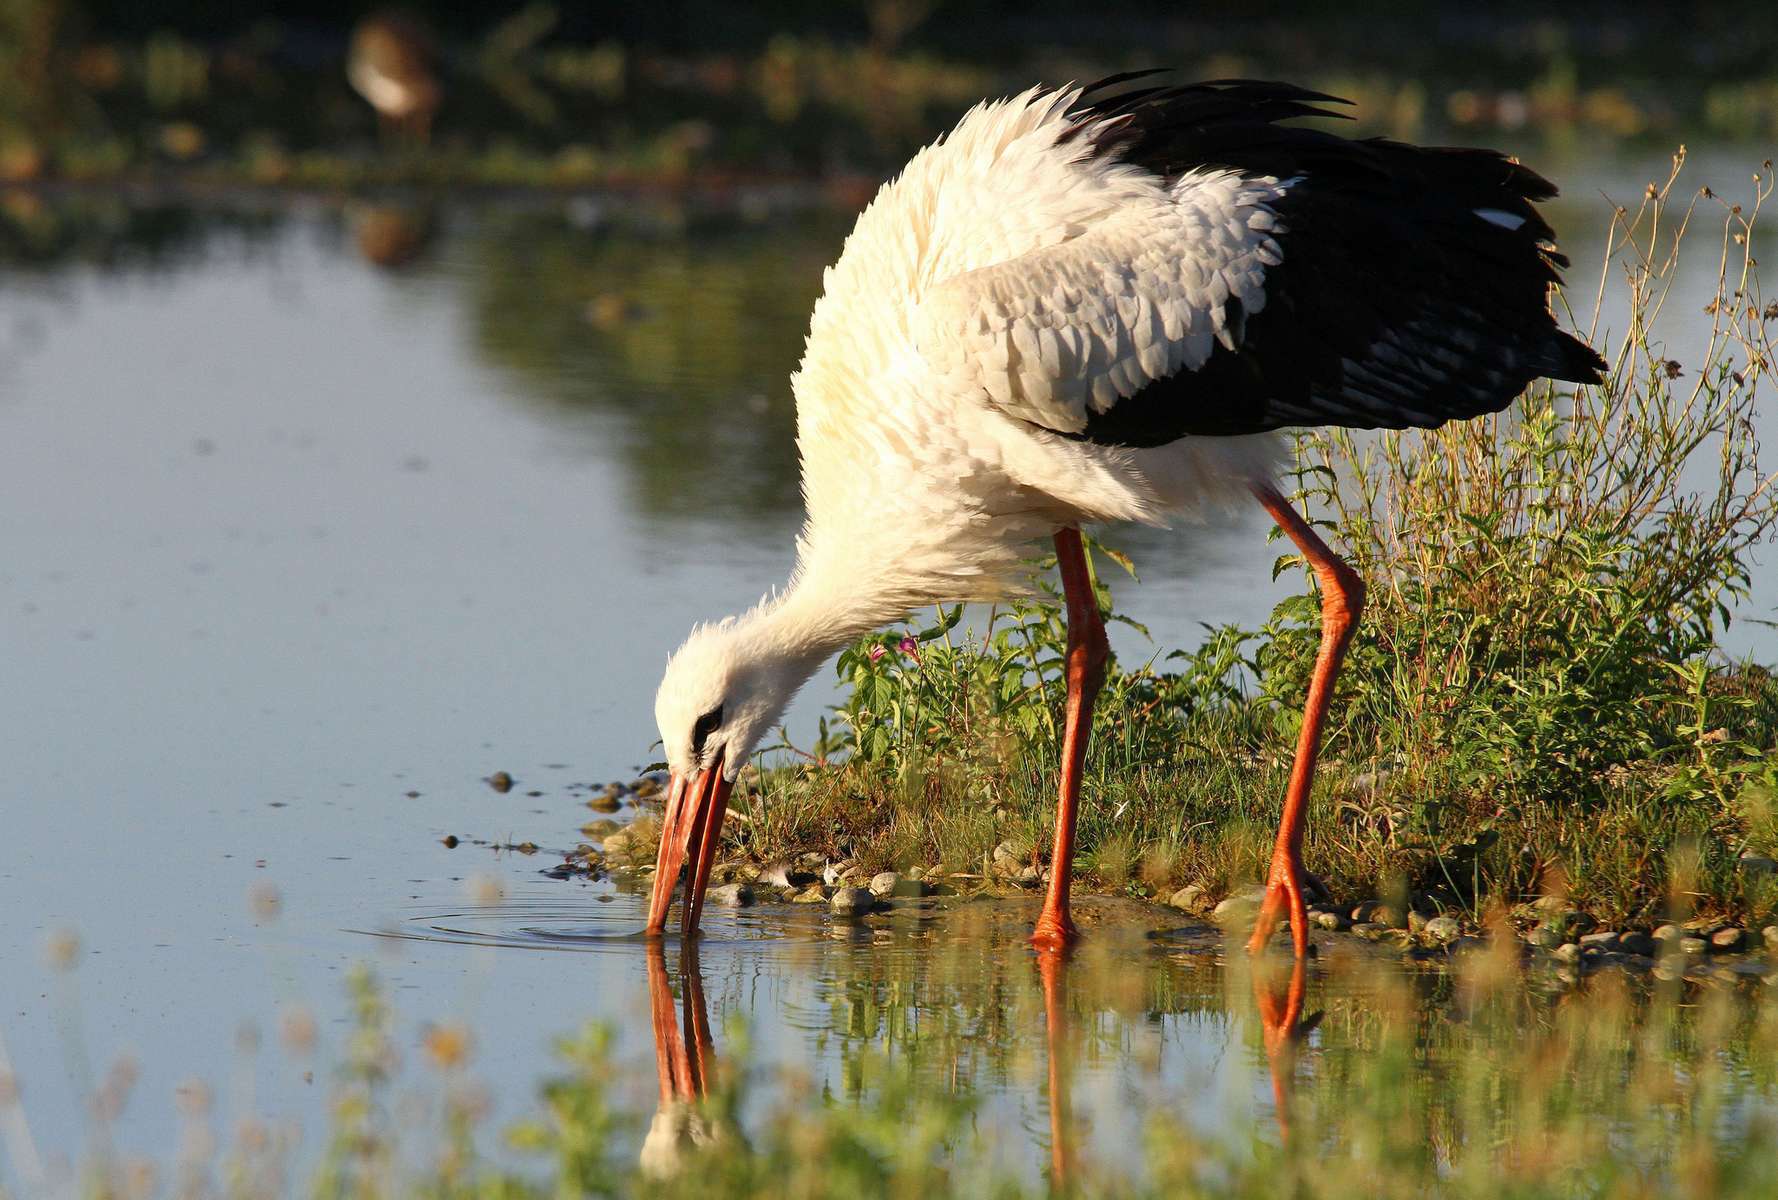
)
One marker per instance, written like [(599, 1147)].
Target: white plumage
[(991, 293), (928, 468)]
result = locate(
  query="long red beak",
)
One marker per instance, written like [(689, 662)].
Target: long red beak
[(695, 806)]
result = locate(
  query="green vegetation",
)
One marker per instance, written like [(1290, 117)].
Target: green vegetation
[(1535, 702)]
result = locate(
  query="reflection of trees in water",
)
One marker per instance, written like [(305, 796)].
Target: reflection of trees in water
[(683, 346), (113, 233)]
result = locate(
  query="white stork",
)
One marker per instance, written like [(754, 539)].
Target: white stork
[(1098, 304)]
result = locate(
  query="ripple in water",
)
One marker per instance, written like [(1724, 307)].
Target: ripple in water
[(583, 924)]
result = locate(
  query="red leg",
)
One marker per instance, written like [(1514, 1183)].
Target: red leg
[(1283, 1029), (1087, 654), (1051, 969), (1342, 599)]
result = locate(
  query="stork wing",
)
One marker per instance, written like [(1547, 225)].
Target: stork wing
[(1062, 333)]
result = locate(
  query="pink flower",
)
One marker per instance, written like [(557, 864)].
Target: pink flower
[(876, 652), (909, 647)]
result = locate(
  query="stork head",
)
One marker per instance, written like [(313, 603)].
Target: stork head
[(724, 688)]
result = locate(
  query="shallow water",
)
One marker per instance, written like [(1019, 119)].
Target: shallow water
[(295, 550)]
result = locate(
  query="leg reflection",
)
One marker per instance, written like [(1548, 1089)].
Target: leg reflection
[(1283, 1028), (1052, 971), (685, 1059)]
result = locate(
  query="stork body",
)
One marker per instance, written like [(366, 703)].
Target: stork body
[(1099, 304)]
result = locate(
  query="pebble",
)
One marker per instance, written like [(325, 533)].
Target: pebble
[(1443, 930), (816, 894), (1030, 876), (1667, 933), (777, 874), (849, 901), (731, 895), (606, 801), (617, 841), (1692, 947), (1011, 857), (884, 883), (1331, 920), (1568, 952), (648, 787), (1370, 931), (1544, 936), (1770, 933), (1728, 941), (1233, 909), (1364, 910), (601, 829), (500, 781), (1189, 898), (1605, 939)]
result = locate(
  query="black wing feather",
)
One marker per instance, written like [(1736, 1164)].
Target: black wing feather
[(1395, 305)]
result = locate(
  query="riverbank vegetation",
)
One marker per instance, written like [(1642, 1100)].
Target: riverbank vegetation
[(551, 96), (1536, 702)]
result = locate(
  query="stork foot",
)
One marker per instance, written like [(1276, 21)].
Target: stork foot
[(1284, 897), (1055, 930)]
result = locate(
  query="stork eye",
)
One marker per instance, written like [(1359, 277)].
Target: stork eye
[(706, 725)]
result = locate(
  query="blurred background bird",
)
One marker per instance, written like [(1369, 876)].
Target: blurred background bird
[(393, 65)]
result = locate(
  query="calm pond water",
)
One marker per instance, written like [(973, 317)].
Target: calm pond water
[(296, 550)]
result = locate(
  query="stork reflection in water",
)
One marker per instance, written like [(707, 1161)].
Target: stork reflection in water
[(685, 1057)]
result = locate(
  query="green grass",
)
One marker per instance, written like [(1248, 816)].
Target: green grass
[(1535, 702)]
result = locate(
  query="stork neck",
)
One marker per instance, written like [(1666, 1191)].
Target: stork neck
[(817, 615)]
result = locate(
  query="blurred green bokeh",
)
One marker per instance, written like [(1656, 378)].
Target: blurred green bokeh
[(558, 95)]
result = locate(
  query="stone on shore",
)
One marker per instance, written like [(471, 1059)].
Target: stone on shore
[(852, 901), (1728, 941), (887, 883), (1442, 930), (1189, 898), (731, 895)]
